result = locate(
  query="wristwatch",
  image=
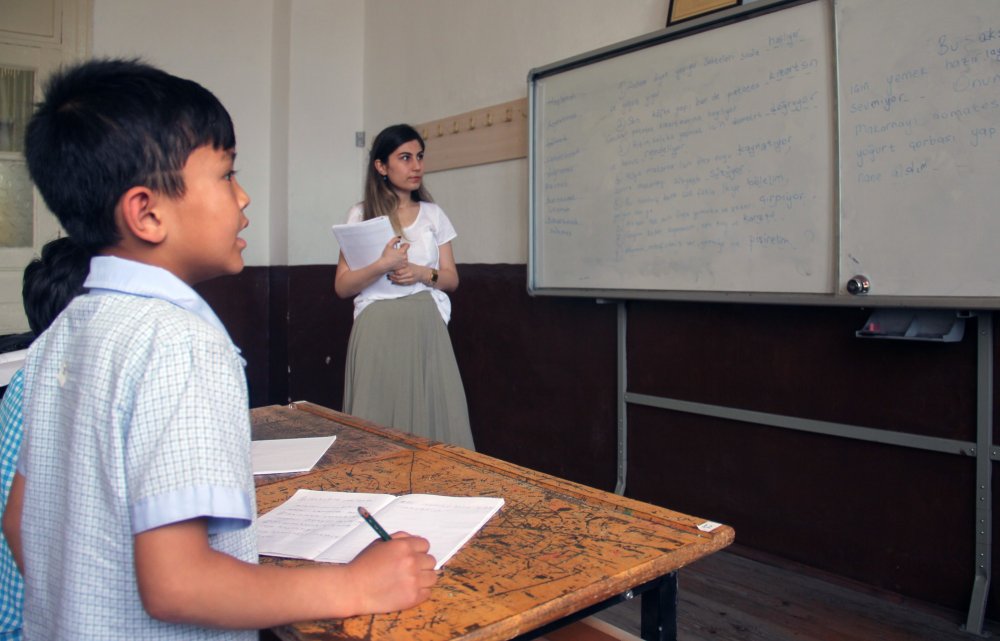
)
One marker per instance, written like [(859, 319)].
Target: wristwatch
[(434, 277)]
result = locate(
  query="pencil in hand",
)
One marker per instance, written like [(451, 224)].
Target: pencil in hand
[(370, 520)]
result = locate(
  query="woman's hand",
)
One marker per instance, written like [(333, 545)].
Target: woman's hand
[(394, 255), (410, 275), (350, 282)]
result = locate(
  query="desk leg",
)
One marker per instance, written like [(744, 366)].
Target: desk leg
[(659, 611)]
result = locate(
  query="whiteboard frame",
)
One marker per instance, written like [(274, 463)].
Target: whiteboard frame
[(688, 28)]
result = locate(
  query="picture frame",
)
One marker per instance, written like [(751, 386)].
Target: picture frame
[(681, 10)]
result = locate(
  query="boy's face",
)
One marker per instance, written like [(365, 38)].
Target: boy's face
[(206, 221)]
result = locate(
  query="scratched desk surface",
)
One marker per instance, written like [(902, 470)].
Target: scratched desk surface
[(555, 547), (357, 439)]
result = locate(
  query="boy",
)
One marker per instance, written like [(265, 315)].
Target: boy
[(50, 283), (132, 510)]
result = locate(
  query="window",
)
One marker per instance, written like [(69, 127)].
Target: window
[(36, 38), (16, 204)]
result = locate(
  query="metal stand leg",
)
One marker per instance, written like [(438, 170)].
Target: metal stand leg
[(984, 481), (659, 611), (622, 406)]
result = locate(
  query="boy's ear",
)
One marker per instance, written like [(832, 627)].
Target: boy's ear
[(140, 215)]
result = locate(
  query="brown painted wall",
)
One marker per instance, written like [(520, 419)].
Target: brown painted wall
[(898, 518), (242, 303), (540, 375)]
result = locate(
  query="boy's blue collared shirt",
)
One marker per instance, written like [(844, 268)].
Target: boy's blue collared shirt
[(141, 375), (113, 274)]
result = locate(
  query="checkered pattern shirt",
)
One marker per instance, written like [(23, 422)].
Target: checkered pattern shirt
[(136, 417), (11, 583)]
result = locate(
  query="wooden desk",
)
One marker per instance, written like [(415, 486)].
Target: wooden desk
[(556, 550), (357, 439)]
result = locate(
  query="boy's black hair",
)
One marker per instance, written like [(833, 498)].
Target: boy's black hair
[(108, 125), (52, 281)]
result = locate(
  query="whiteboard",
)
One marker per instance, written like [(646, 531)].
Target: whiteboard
[(696, 163), (919, 94), (774, 152)]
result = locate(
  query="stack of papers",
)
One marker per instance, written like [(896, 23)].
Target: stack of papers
[(363, 243)]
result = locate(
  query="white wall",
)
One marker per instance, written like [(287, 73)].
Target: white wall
[(435, 58), (325, 168), (225, 46), (290, 73), (301, 76), (280, 78)]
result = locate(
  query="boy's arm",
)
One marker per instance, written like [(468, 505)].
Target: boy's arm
[(182, 579), (12, 520)]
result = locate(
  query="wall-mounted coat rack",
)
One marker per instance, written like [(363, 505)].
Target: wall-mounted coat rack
[(478, 137)]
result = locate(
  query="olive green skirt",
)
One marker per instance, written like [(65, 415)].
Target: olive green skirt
[(401, 371)]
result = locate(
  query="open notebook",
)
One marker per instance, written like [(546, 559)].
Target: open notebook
[(326, 526)]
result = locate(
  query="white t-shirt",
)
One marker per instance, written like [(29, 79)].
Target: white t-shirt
[(429, 230)]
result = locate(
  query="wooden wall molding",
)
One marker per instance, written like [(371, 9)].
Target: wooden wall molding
[(478, 137)]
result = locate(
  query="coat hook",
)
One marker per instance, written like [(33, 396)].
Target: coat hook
[(440, 130), (454, 126), (472, 123), (423, 133), (489, 118), (510, 115)]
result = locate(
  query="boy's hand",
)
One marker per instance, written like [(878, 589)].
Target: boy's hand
[(182, 579), (393, 575)]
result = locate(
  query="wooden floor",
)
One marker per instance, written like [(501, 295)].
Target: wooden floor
[(740, 596), (736, 595)]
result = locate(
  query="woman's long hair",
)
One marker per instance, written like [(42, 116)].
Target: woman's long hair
[(380, 198)]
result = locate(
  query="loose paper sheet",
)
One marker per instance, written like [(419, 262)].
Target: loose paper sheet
[(285, 455)]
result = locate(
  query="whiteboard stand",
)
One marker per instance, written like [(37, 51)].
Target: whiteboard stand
[(985, 453), (622, 408), (982, 449)]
